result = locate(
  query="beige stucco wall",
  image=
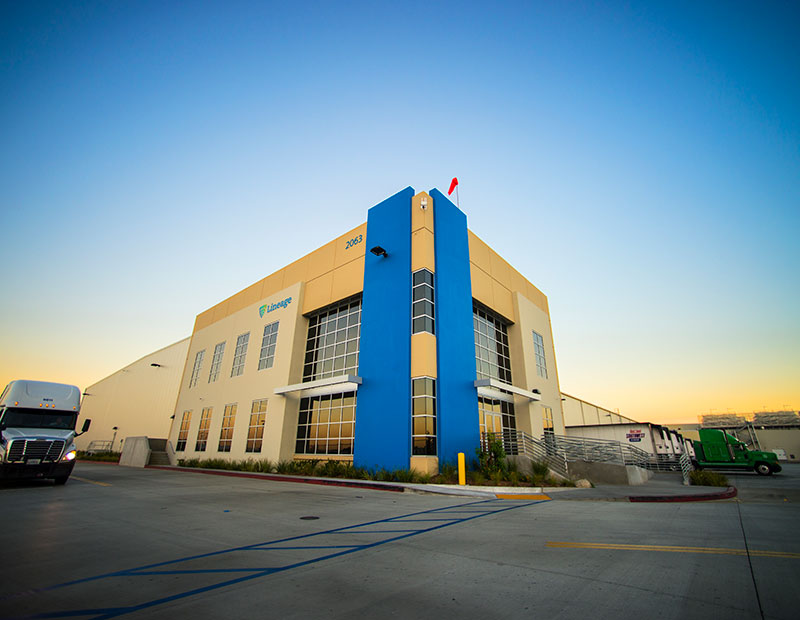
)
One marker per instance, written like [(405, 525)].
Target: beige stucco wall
[(333, 272), (139, 399), (253, 384), (531, 317), (787, 439)]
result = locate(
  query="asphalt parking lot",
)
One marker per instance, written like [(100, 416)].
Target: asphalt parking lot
[(159, 544)]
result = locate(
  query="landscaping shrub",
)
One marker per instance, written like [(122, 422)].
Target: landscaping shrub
[(497, 470), (109, 457), (492, 460), (705, 478)]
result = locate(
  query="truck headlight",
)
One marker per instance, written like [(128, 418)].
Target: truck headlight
[(69, 456)]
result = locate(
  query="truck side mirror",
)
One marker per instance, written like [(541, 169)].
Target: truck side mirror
[(86, 424)]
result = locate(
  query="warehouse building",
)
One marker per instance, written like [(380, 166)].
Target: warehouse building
[(137, 400), (395, 345)]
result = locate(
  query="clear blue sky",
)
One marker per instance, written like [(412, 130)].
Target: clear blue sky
[(639, 163)]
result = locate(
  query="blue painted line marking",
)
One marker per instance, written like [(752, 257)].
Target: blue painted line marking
[(403, 520), (306, 547), (199, 571), (256, 573), (382, 531)]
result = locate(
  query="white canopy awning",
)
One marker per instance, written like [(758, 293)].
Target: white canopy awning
[(321, 387)]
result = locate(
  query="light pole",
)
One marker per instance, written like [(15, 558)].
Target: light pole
[(114, 438)]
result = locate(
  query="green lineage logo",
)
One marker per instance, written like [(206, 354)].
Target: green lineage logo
[(271, 307)]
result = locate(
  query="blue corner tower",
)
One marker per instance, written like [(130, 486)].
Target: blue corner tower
[(383, 424), (455, 341)]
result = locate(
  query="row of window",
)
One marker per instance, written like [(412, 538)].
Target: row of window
[(269, 341), (255, 431)]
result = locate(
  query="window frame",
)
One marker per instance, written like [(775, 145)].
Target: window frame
[(255, 430), (240, 354), (201, 442), (216, 362), (269, 342), (423, 302), (227, 427), (196, 367), (426, 394), (183, 431), (539, 354), (333, 340)]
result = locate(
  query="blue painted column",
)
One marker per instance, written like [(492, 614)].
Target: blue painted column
[(383, 418), (457, 401)]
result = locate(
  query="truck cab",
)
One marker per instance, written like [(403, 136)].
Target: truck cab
[(37, 430), (720, 450)]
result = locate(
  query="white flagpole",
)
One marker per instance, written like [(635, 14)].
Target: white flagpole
[(457, 202)]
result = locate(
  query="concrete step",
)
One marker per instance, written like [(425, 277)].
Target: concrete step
[(158, 458)]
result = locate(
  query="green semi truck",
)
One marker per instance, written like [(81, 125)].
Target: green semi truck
[(719, 450)]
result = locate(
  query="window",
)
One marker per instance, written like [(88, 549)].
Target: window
[(255, 433), (202, 432), (332, 343), (216, 362), (422, 304), (226, 432), (547, 419), (239, 354), (538, 348), (492, 358), (183, 433), (326, 424), (496, 416), (198, 362), (268, 346), (423, 416)]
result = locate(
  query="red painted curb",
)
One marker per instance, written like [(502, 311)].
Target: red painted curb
[(333, 482), (705, 497)]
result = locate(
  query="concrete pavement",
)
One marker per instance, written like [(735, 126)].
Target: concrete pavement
[(124, 542)]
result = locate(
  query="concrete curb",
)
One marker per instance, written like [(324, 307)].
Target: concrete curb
[(728, 493), (452, 490), (395, 487), (375, 485)]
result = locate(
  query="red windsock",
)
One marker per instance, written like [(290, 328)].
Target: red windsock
[(453, 184)]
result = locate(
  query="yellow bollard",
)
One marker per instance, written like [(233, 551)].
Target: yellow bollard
[(462, 469)]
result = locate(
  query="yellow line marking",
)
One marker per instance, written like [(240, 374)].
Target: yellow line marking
[(520, 496), (673, 549), (102, 484)]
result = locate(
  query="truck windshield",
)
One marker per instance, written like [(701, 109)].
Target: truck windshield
[(35, 418)]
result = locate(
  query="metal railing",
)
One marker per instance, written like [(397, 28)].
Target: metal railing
[(99, 445), (519, 443), (558, 450)]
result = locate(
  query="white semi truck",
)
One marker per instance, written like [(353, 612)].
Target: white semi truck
[(37, 430)]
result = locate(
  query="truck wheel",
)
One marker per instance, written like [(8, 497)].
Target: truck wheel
[(762, 469), (61, 480)]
